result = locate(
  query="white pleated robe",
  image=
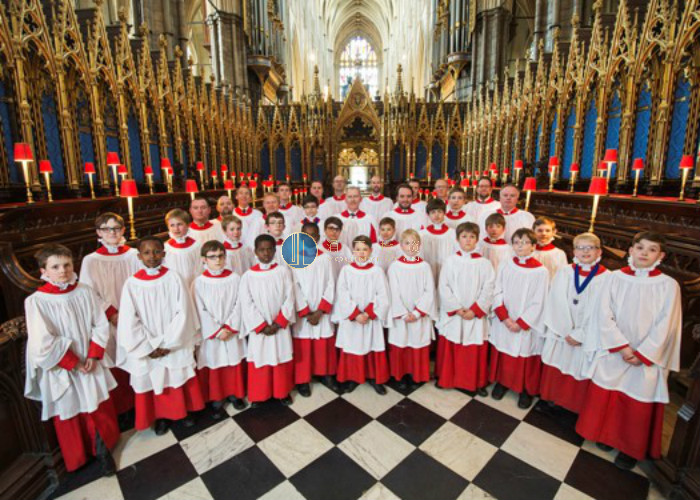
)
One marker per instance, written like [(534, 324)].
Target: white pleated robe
[(384, 254), (495, 251), (239, 257), (406, 219), (437, 244), (206, 232), (551, 257), (515, 219), (412, 290), (184, 258), (314, 285), (376, 206)]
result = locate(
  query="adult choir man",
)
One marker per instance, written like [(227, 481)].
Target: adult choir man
[(416, 203), (376, 204), (484, 202), (515, 218), (336, 203), (442, 189), (405, 215), (224, 205), (292, 213), (355, 221), (251, 219), (201, 228)]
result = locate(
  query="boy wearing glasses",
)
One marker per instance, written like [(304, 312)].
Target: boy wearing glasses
[(572, 334), (222, 352), (106, 270), (338, 253)]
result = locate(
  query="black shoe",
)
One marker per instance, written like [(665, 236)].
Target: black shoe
[(104, 457), (350, 386), (625, 462), (378, 388), (498, 391), (304, 390), (467, 392), (217, 410), (604, 447), (330, 382), (286, 401), (413, 385), (401, 385), (162, 426), (256, 404), (482, 392), (188, 421), (524, 400), (238, 404)]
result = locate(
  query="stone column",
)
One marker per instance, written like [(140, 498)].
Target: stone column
[(228, 49)]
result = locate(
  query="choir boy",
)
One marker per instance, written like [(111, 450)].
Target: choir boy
[(239, 257), (158, 331), (201, 228), (106, 270), (413, 311), (221, 355), (494, 246), (466, 289), (515, 218), (67, 333), (640, 323), (387, 250), (310, 205), (404, 215), (550, 256), (251, 219), (292, 213), (182, 252), (361, 308), (355, 221), (275, 226), (456, 214), (376, 204), (266, 302), (313, 334), (438, 238), (572, 335), (338, 253), (516, 333)]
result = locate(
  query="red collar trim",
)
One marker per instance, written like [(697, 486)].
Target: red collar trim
[(475, 255), (652, 274), (443, 229), (53, 289), (203, 227), (389, 244), (327, 245), (376, 198), (257, 268), (499, 241), (339, 198), (545, 248), (406, 261), (188, 243), (121, 250), (400, 210), (486, 201), (279, 241), (507, 213), (459, 215), (315, 220), (362, 268), (321, 201), (228, 246), (359, 214), (243, 212), (226, 273), (286, 207), (601, 270), (530, 263), (143, 275)]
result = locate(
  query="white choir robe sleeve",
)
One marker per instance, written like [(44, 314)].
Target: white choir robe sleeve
[(448, 299), (287, 310), (132, 334), (178, 333), (86, 279), (345, 306), (426, 303), (610, 335), (485, 297), (398, 307), (210, 326), (300, 299), (100, 324), (498, 293), (45, 348), (532, 315), (662, 345), (557, 313), (382, 300), (251, 316)]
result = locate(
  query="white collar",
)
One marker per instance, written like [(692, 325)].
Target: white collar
[(178, 240), (151, 271), (586, 267), (523, 260), (642, 272), (61, 286), (111, 248), (233, 243), (214, 273), (410, 259), (267, 266), (361, 264)]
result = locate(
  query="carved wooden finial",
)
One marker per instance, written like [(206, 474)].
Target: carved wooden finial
[(98, 3), (145, 31), (121, 14), (575, 21), (162, 41), (178, 51)]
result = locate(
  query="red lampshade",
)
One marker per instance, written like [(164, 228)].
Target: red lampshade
[(506, 171), (228, 184), (475, 182), (464, 183), (253, 184), (89, 167), (112, 158), (269, 177), (233, 175), (165, 163), (45, 167), (469, 174), (518, 165), (610, 156), (224, 168), (148, 170), (254, 176), (23, 152), (530, 184), (486, 173), (599, 185), (638, 164), (213, 173), (191, 186), (434, 193), (602, 166), (574, 167), (200, 166), (553, 162), (129, 189), (304, 176), (169, 170), (493, 167), (686, 162), (296, 191), (411, 175), (121, 169)]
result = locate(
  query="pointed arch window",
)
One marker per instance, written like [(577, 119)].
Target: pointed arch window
[(358, 59)]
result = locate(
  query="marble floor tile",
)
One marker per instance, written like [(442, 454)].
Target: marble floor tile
[(367, 400), (320, 396), (473, 492), (104, 487), (459, 450), (507, 405), (215, 445), (194, 490), (136, 445), (379, 492), (567, 492), (295, 447), (376, 449), (283, 491), (444, 402)]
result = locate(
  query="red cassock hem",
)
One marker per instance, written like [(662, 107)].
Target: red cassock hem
[(561, 389), (220, 383), (628, 425), (410, 361), (123, 394), (172, 404), (76, 436), (270, 381), (516, 373), (462, 366), (314, 357), (358, 368)]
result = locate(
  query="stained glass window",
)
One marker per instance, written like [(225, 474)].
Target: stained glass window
[(359, 59)]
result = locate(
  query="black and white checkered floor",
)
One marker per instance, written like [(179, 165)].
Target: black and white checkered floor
[(428, 443)]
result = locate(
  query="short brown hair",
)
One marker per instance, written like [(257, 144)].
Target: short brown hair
[(229, 219), (178, 213), (51, 250), (456, 190), (468, 227), (212, 245), (106, 217), (495, 218), (524, 231), (275, 215), (542, 220), (435, 204), (387, 221), (362, 239), (652, 236)]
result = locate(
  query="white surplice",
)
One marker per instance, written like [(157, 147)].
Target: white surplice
[(314, 285)]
